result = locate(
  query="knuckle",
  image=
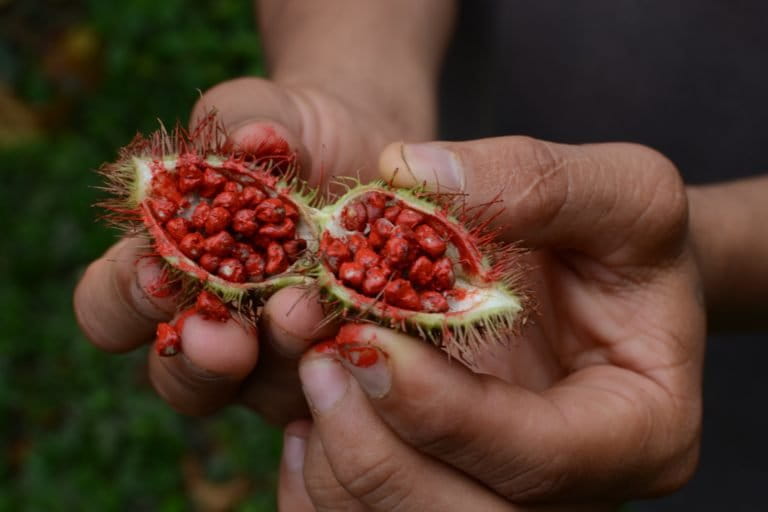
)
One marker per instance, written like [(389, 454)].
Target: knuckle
[(378, 480), (539, 176), (664, 211)]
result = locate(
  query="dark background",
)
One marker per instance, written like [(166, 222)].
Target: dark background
[(688, 78), (81, 430)]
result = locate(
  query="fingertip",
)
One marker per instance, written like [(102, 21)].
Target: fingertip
[(268, 138), (393, 167), (294, 319), (430, 164), (292, 492), (227, 349), (121, 297)]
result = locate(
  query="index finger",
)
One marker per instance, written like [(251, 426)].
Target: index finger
[(121, 297)]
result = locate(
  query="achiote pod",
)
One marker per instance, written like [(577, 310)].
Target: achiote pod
[(233, 227)]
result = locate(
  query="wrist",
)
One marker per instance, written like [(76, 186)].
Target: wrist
[(726, 222), (381, 59)]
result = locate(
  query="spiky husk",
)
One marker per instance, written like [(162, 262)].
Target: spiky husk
[(128, 184), (499, 269), (462, 334)]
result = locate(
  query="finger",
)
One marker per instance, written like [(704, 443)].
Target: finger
[(121, 298), (325, 491), (592, 198), (292, 320), (328, 137), (603, 431), (207, 375), (257, 116), (369, 460), (291, 492)]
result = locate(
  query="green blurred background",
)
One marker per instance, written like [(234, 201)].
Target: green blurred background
[(79, 429)]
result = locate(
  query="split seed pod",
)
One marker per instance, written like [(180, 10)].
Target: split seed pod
[(233, 227)]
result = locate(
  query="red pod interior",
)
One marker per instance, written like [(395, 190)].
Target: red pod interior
[(398, 254), (230, 220)]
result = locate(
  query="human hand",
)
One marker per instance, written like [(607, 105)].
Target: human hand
[(597, 400), (118, 313)]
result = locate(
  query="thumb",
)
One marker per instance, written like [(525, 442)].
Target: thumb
[(602, 199)]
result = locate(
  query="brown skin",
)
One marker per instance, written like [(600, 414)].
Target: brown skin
[(619, 346), (728, 226), (608, 373), (325, 113)]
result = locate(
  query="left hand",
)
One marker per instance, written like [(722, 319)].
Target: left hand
[(597, 401)]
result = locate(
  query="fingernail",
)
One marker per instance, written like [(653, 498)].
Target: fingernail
[(324, 382), (294, 448), (433, 165), (368, 365), (152, 290)]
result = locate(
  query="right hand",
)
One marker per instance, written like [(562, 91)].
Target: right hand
[(218, 365)]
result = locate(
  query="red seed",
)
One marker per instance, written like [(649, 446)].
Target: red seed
[(383, 227), (210, 262), (229, 200), (367, 258), (163, 209), (254, 266), (421, 271), (354, 217), (252, 196), (233, 187), (375, 240), (167, 340), (433, 302), (444, 277), (391, 213), (381, 230), (291, 211), (190, 178), (217, 220), (200, 215), (375, 203), (210, 307), (355, 242), (294, 248), (192, 245), (270, 210), (232, 270), (396, 252), (352, 273), (220, 244), (337, 253), (242, 251), (400, 293), (212, 182), (178, 227), (244, 221), (282, 231), (277, 261), (260, 241), (164, 185), (409, 218), (430, 241), (375, 280)]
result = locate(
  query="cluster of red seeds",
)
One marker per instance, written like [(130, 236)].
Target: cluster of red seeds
[(396, 255), (239, 233)]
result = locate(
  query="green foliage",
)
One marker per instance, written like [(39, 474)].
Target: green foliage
[(79, 429)]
